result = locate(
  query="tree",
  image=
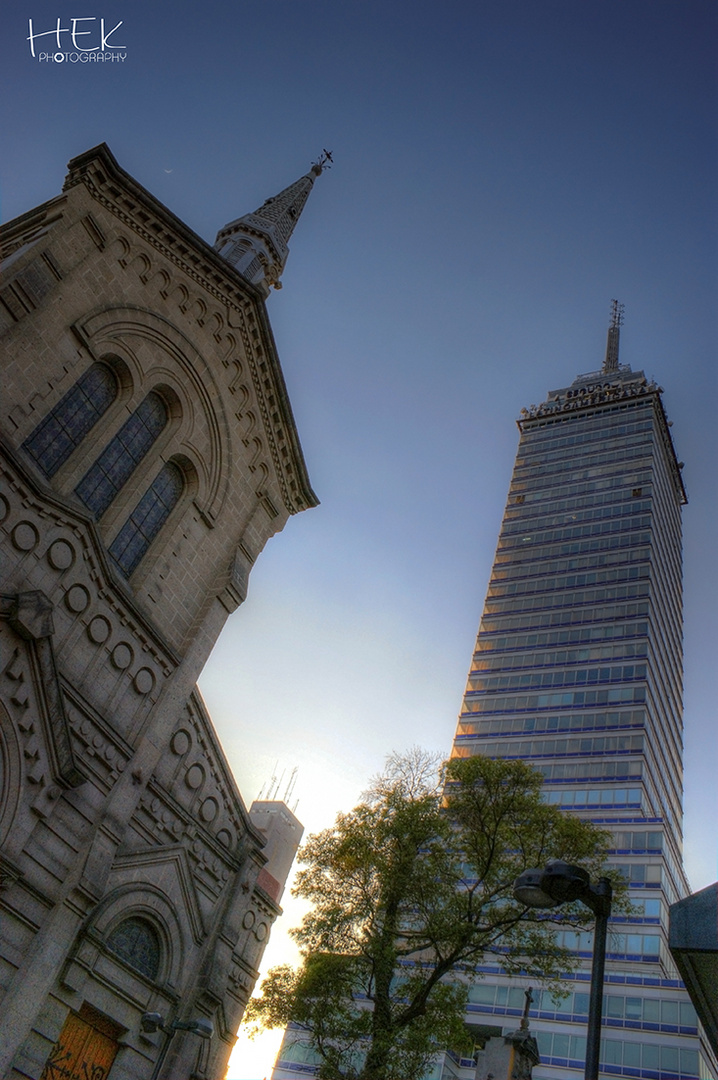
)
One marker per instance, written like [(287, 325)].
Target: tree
[(411, 887)]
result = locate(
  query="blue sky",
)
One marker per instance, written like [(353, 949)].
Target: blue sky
[(503, 169)]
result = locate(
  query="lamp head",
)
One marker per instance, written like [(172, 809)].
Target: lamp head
[(201, 1027), (152, 1022), (528, 890), (558, 883), (565, 882)]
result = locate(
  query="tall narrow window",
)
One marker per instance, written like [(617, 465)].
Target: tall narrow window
[(55, 437), (147, 518), (122, 455)]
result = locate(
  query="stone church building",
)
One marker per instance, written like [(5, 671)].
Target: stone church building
[(148, 454)]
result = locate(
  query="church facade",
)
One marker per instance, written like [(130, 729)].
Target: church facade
[(148, 453)]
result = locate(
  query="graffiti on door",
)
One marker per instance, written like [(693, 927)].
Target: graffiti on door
[(82, 1052)]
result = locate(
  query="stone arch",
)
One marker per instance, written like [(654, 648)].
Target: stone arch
[(241, 390), (198, 311), (142, 265), (163, 281), (237, 373), (260, 480), (230, 347), (215, 325), (172, 400), (121, 370), (180, 295), (251, 420), (120, 249), (189, 472), (256, 449), (143, 901)]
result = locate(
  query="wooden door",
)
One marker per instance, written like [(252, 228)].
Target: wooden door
[(82, 1052)]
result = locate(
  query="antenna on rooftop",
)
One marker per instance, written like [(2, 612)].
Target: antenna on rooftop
[(270, 791), (276, 786), (290, 785), (273, 783), (610, 364)]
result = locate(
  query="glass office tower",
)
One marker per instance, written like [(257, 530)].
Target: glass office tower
[(578, 671)]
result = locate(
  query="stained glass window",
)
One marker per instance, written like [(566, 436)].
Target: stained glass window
[(147, 518), (122, 455), (63, 429), (136, 942)]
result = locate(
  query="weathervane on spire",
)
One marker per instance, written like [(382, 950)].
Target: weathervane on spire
[(614, 331), (324, 161)]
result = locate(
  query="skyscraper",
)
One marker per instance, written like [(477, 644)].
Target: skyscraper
[(578, 670)]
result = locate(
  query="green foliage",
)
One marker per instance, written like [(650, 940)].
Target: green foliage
[(414, 883)]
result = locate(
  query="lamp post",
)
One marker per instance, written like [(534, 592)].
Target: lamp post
[(152, 1022), (560, 883)]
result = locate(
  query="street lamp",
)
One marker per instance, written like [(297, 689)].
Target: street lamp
[(560, 883), (152, 1022)]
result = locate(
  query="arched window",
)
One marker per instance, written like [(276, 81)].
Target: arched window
[(147, 518), (55, 437), (137, 942), (122, 455)]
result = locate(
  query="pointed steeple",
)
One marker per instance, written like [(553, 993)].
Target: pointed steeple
[(614, 333), (257, 244)]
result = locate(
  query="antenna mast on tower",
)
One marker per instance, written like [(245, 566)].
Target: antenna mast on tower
[(614, 332)]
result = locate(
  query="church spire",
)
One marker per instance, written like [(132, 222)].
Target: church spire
[(614, 331), (257, 244)]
